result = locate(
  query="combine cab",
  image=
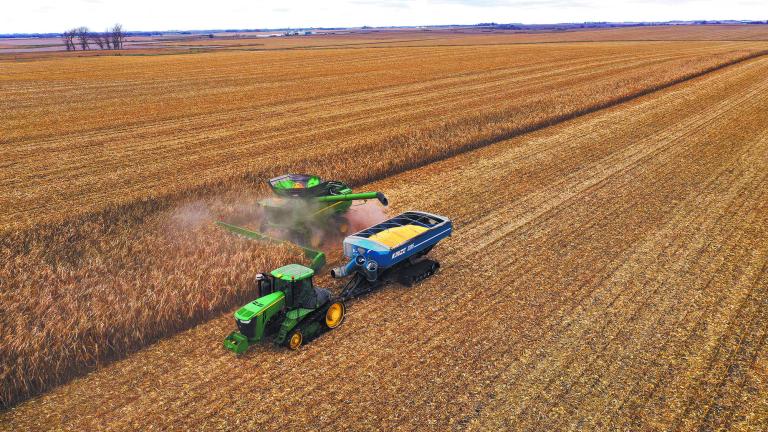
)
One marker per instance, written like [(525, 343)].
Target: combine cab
[(305, 209)]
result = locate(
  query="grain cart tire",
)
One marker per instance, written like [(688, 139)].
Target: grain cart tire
[(334, 316), (295, 339)]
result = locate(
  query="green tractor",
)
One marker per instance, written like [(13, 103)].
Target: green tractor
[(305, 209), (290, 307)]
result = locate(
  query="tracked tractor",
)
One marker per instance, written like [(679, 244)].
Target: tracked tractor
[(306, 209), (290, 308)]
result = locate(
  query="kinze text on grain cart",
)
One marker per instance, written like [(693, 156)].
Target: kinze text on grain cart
[(305, 208), (294, 310)]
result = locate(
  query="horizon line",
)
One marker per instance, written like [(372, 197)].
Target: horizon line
[(488, 24)]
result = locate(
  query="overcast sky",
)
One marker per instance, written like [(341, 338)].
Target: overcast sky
[(20, 16)]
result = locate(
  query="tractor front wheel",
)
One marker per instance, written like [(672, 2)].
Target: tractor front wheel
[(295, 339), (335, 314)]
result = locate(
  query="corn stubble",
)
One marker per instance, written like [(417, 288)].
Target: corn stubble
[(97, 261), (617, 280), (72, 302)]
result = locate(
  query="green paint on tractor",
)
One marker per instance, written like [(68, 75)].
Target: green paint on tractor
[(290, 309)]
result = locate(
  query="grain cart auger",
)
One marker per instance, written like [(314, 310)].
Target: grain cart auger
[(289, 306), (392, 251), (305, 209)]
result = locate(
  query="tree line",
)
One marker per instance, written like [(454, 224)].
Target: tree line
[(109, 39)]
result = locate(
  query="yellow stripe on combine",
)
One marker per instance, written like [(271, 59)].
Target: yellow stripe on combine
[(392, 237)]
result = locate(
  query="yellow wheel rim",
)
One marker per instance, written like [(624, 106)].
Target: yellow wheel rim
[(343, 228), (335, 315), (295, 341)]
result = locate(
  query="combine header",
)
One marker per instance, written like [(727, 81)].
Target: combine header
[(290, 307)]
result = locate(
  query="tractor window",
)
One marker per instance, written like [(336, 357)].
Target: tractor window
[(306, 296), (280, 285)]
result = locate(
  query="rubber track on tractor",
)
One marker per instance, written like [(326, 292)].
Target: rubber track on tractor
[(317, 315)]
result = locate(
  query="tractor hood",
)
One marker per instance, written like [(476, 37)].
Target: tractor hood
[(246, 313)]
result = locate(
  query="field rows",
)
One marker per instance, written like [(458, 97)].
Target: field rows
[(453, 37), (77, 143), (391, 38), (89, 227), (607, 272)]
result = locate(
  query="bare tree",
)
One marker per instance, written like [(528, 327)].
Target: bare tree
[(98, 39), (118, 36), (111, 38), (107, 38), (83, 36), (69, 39)]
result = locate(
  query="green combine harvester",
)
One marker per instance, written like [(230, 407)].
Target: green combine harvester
[(306, 209), (290, 308)]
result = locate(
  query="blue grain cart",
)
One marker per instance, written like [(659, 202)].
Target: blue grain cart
[(392, 251)]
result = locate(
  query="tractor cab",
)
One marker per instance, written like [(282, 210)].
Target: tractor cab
[(295, 281)]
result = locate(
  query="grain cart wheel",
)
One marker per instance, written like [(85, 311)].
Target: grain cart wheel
[(335, 315), (295, 339)]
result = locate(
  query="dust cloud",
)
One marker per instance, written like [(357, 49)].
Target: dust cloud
[(362, 216), (191, 215)]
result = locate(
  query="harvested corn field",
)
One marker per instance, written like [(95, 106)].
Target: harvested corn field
[(111, 211), (163, 125), (607, 272)]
